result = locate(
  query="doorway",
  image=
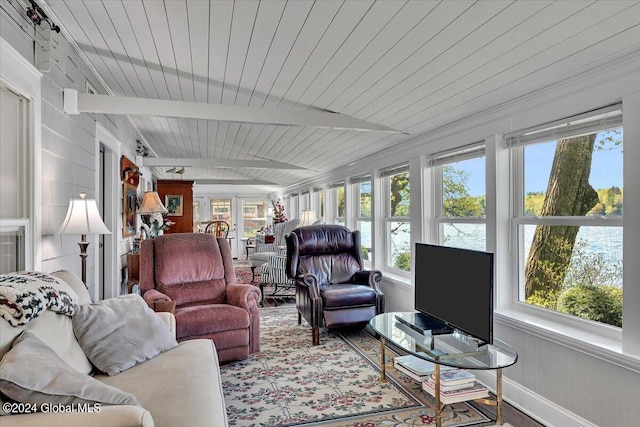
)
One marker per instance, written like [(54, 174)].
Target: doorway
[(108, 273)]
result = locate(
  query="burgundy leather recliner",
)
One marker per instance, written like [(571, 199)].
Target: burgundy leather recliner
[(194, 272), (333, 289)]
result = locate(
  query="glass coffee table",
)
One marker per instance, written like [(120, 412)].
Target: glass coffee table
[(451, 349)]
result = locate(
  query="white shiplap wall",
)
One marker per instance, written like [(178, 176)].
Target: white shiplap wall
[(69, 149)]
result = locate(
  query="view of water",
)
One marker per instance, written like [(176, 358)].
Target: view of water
[(605, 241)]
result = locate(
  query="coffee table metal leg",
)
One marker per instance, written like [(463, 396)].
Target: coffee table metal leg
[(383, 367), (436, 374), (499, 397)]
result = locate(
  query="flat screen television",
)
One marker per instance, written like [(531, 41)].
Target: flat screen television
[(455, 286)]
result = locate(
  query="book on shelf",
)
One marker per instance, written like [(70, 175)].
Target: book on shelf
[(476, 391), (449, 387), (456, 377), (420, 368)]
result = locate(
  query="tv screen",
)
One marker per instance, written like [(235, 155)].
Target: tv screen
[(456, 286)]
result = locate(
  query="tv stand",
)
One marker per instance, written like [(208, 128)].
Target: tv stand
[(453, 349)]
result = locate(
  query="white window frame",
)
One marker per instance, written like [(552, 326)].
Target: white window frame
[(355, 216), (305, 200), (437, 162), (294, 203), (516, 142), (317, 200), (333, 198), (385, 175), (18, 74)]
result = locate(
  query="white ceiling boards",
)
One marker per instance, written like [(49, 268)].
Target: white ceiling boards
[(410, 66)]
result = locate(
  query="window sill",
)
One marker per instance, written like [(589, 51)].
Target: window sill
[(600, 346), (397, 280)]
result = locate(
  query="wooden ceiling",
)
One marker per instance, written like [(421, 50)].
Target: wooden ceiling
[(409, 65)]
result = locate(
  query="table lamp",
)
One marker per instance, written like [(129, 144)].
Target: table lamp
[(83, 218), (308, 217), (151, 204)]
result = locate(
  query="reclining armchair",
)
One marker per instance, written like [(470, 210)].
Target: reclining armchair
[(192, 274), (333, 289)]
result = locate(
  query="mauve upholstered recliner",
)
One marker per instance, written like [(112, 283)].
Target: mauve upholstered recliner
[(333, 289), (195, 272)]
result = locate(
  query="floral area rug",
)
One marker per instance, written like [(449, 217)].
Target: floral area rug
[(243, 274), (336, 384)]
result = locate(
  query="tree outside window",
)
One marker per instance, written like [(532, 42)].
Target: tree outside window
[(462, 217), (398, 225), (571, 225)]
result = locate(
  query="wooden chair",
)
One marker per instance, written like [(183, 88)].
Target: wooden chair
[(218, 228)]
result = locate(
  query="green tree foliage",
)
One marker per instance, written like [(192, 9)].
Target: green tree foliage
[(365, 200), (599, 303), (365, 252), (403, 261), (400, 202), (590, 289), (456, 200), (610, 202), (400, 195), (341, 202)]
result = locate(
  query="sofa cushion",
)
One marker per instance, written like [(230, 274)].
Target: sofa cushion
[(180, 387), (121, 332), (53, 329), (31, 372)]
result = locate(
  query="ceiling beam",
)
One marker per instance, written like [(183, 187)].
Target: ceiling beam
[(232, 182), (76, 103), (216, 163)]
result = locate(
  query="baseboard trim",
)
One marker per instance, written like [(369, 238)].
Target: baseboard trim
[(537, 407)]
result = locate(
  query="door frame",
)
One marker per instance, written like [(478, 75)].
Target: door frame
[(111, 286)]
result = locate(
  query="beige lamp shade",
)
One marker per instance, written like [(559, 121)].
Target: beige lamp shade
[(83, 218), (151, 204), (308, 217)]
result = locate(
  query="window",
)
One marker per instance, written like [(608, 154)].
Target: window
[(293, 207), (254, 217), (362, 196), (568, 216), (14, 209), (221, 210), (318, 202), (196, 216), (398, 228), (337, 203), (305, 201), (460, 198)]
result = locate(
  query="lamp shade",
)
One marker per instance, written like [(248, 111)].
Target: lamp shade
[(308, 217), (151, 204), (83, 218)]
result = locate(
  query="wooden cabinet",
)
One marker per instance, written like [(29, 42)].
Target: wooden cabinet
[(183, 222), (133, 270)]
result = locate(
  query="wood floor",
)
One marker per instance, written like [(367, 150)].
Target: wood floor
[(510, 415)]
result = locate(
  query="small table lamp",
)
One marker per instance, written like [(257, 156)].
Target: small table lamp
[(151, 204), (83, 218), (308, 217)]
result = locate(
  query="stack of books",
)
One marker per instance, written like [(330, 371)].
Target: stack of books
[(415, 367), (456, 385)]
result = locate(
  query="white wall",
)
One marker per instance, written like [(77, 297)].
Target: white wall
[(559, 383), (68, 145)]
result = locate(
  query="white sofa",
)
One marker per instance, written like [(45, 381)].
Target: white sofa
[(180, 387)]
